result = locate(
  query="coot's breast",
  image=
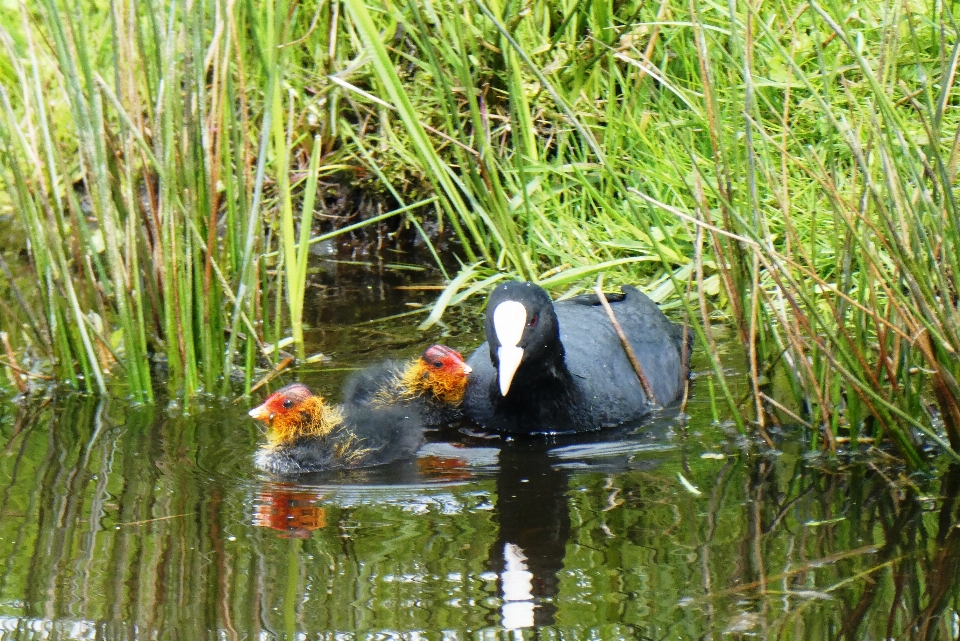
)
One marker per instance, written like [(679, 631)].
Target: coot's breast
[(477, 401)]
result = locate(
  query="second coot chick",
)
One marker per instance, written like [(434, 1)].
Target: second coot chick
[(549, 368), (304, 434), (432, 384)]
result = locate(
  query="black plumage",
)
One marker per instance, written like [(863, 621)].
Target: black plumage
[(573, 374)]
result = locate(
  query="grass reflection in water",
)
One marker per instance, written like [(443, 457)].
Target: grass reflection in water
[(138, 525)]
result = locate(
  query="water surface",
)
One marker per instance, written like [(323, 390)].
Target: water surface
[(119, 523)]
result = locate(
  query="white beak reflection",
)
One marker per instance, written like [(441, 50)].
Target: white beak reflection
[(517, 581)]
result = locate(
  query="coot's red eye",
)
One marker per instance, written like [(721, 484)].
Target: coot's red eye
[(533, 321)]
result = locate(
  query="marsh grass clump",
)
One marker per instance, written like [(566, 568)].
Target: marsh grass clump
[(785, 168), (154, 157)]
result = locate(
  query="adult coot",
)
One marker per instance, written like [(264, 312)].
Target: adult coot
[(432, 384), (549, 368), (304, 434)]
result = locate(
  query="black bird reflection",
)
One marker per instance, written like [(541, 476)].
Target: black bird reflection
[(533, 511), (532, 515), (534, 527)]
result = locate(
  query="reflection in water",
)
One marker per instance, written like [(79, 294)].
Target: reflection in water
[(942, 573), (290, 510), (516, 584), (135, 525), (533, 529)]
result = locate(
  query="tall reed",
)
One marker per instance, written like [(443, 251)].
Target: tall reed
[(148, 175)]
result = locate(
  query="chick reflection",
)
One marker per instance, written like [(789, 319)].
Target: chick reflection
[(534, 521), (290, 509), (451, 462)]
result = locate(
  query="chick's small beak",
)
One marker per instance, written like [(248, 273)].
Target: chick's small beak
[(467, 369), (260, 413)]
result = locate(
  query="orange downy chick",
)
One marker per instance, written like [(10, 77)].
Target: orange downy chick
[(305, 435), (439, 372), (294, 412)]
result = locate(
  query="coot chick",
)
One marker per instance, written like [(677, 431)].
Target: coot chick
[(549, 368), (432, 384), (306, 435)]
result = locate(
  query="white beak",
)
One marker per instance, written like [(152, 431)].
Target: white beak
[(509, 320), (466, 369), (510, 358)]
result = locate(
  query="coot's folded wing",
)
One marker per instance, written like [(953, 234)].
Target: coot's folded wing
[(595, 354)]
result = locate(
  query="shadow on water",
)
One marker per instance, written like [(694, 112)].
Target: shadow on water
[(132, 524)]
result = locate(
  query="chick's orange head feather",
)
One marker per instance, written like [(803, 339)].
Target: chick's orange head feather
[(295, 411), (443, 360), (282, 402), (440, 371)]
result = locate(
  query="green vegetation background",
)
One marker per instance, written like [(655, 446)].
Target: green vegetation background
[(786, 167)]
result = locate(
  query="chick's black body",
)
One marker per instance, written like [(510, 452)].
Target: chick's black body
[(362, 388), (574, 374), (366, 437), (377, 386)]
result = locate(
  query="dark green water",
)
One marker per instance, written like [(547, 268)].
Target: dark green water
[(132, 524)]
